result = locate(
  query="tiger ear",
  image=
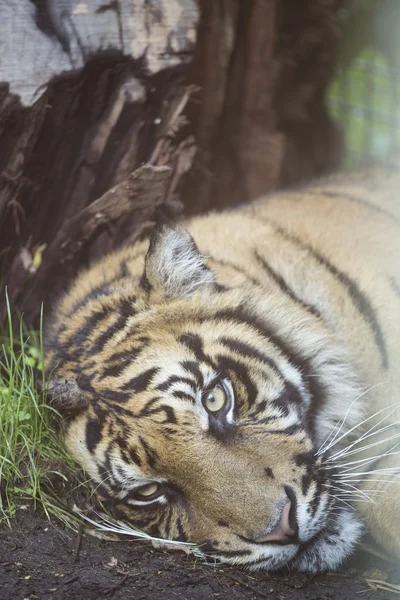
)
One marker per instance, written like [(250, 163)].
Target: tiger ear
[(174, 267), (65, 396)]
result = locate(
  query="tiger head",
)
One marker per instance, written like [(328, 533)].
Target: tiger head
[(199, 411)]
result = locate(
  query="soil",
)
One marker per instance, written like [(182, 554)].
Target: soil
[(42, 560)]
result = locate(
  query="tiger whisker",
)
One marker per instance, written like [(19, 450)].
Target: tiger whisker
[(336, 440), (353, 492), (335, 431), (368, 433), (363, 492), (388, 470), (365, 461), (350, 497), (363, 479), (344, 502), (368, 446), (360, 461)]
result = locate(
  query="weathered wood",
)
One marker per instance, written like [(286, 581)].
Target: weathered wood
[(92, 90), (121, 213)]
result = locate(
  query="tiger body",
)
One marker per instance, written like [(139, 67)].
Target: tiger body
[(240, 391)]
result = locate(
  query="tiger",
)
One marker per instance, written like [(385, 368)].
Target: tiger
[(233, 380)]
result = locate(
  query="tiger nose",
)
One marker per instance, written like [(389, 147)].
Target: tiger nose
[(286, 530)]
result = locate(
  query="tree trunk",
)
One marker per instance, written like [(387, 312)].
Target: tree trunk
[(91, 91)]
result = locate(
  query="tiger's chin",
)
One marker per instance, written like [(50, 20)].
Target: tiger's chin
[(329, 548)]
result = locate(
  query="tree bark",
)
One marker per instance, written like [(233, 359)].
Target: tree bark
[(263, 68)]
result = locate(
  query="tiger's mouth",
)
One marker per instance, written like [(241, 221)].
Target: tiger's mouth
[(325, 550), (313, 545)]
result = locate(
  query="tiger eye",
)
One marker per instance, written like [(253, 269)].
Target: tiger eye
[(215, 400), (148, 490)]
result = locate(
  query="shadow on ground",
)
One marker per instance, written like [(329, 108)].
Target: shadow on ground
[(44, 561)]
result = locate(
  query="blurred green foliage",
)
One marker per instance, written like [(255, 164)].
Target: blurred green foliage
[(364, 98)]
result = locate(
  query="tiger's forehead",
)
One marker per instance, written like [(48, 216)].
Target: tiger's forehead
[(180, 366)]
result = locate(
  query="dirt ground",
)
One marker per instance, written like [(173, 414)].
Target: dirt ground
[(44, 561)]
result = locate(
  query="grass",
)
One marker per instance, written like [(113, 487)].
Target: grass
[(30, 451)]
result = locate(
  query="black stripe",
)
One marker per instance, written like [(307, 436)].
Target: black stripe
[(167, 525), (100, 341), (122, 443), (363, 304), (181, 537), (246, 350), (124, 310), (151, 454), (355, 199), (168, 383), (141, 382), (118, 412), (114, 395), (306, 481), (90, 323), (145, 284), (152, 408), (148, 409), (289, 395), (93, 433), (240, 314), (118, 362), (359, 298), (91, 364), (183, 396), (169, 414), (237, 268), (281, 283), (195, 345), (84, 383), (192, 367), (261, 406), (111, 482), (240, 371), (114, 371), (305, 459), (127, 307), (95, 293), (134, 455)]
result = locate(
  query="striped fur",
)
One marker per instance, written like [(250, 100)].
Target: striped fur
[(289, 309)]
